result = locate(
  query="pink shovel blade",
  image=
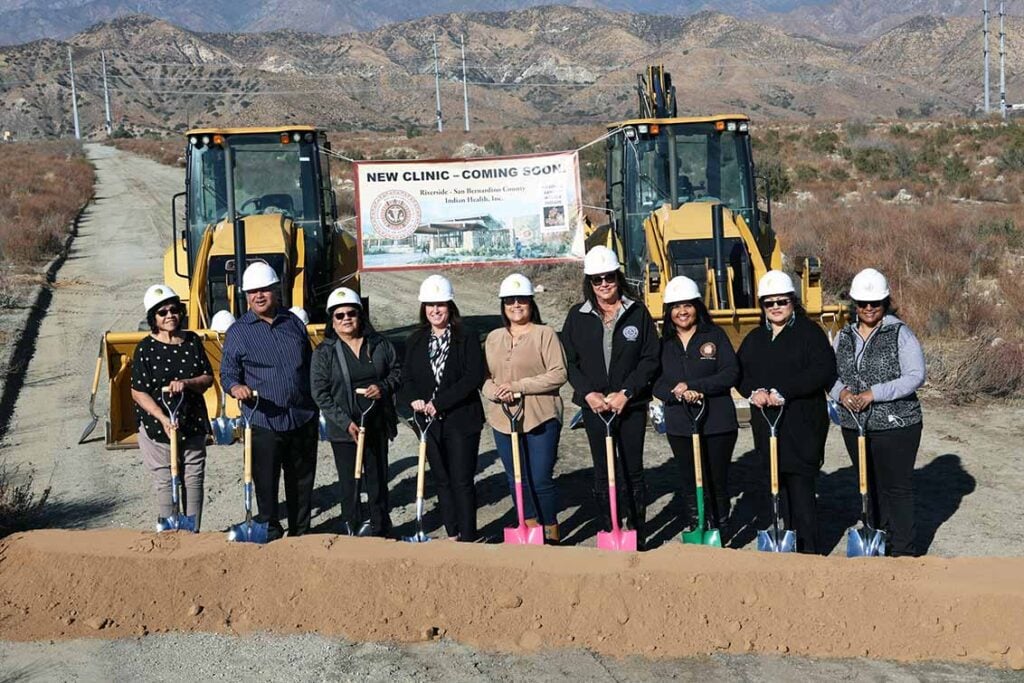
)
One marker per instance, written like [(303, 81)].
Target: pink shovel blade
[(617, 540), (524, 535)]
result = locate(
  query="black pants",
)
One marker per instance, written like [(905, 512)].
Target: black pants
[(294, 452), (452, 456), (628, 432), (374, 482), (891, 455), (716, 450), (799, 491)]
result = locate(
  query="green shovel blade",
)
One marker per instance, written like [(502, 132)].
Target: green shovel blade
[(699, 535)]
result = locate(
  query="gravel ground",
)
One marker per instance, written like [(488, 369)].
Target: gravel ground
[(969, 472), (310, 657)]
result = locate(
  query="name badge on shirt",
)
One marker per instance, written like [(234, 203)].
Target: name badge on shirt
[(630, 332), (708, 351)]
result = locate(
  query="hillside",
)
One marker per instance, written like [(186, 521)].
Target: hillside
[(535, 66)]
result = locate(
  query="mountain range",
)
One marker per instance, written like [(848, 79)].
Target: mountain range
[(849, 20), (535, 66)]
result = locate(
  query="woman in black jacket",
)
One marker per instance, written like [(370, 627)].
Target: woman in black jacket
[(611, 350), (443, 372), (787, 363), (354, 356), (698, 365)]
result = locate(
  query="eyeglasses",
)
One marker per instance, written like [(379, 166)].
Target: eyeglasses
[(869, 304), (513, 300), (345, 315), (170, 310), (598, 280), (776, 303)]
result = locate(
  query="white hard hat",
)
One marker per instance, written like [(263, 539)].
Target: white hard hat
[(681, 288), (774, 282), (300, 313), (156, 295), (343, 296), (259, 275), (436, 289), (516, 285), (869, 285), (221, 321), (600, 259)]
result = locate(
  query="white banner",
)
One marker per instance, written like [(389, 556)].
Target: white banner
[(421, 214)]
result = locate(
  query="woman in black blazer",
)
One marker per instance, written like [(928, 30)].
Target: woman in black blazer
[(443, 373)]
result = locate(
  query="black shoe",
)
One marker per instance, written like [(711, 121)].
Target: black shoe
[(638, 514), (604, 518)]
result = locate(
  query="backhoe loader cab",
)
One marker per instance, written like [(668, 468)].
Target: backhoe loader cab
[(683, 200), (250, 194)]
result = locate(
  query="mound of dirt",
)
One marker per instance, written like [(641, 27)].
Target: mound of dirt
[(675, 601)]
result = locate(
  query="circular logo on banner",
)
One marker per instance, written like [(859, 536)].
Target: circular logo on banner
[(630, 332), (708, 350), (395, 214)]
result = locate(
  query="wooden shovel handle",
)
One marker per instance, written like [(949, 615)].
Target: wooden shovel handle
[(697, 470), (862, 464), (773, 446), (247, 467), (421, 470), (517, 468), (609, 449), (173, 436), (96, 375), (360, 445)]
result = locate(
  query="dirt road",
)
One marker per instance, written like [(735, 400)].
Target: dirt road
[(969, 473)]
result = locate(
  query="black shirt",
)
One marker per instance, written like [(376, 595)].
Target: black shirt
[(154, 366), (362, 373)]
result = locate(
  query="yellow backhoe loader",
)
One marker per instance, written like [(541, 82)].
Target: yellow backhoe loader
[(250, 194), (682, 196)]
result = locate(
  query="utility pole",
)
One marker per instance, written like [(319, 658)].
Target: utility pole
[(106, 96), (1002, 62), (74, 95), (465, 90), (437, 87), (984, 33)]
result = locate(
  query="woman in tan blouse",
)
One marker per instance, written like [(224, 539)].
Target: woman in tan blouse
[(525, 357)]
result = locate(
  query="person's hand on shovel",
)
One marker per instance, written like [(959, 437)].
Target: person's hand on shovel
[(504, 393), (597, 401), (691, 396), (353, 430), (166, 423), (372, 392), (617, 402), (241, 392), (864, 400)]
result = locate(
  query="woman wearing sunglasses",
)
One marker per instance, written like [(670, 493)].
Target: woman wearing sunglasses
[(698, 366), (787, 363), (524, 357), (174, 358), (354, 356), (611, 348), (881, 366), (443, 372)]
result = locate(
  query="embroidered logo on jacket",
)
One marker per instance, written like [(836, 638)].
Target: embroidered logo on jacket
[(630, 332), (708, 351)]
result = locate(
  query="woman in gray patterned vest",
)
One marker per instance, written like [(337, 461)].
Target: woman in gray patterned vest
[(881, 366)]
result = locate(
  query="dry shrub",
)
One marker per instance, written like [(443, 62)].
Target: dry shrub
[(168, 151), (43, 186), (18, 505), (934, 256)]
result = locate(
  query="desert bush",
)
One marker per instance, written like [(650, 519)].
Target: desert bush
[(168, 151), (42, 188), (825, 142), (776, 178), (18, 504), (872, 161), (955, 169), (1011, 159)]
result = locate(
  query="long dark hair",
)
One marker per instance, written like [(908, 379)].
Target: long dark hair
[(151, 314), (668, 328), (798, 308), (362, 322), (534, 313), (620, 280), (454, 317)]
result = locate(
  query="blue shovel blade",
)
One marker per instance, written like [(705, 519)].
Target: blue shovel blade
[(176, 523), (248, 532), (863, 541), (768, 542)]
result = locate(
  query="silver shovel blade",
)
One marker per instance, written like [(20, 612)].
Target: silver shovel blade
[(248, 532), (863, 541), (768, 542), (418, 537), (223, 431), (176, 523), (323, 428)]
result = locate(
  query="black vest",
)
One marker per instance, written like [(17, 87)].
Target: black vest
[(879, 362)]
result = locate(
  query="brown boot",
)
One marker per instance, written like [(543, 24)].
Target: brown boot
[(551, 534)]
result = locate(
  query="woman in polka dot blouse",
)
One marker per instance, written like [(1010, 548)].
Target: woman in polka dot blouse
[(171, 357)]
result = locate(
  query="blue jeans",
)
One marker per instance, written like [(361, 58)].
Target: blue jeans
[(538, 450)]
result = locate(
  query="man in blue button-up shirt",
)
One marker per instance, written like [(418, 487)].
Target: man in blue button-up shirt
[(268, 351)]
